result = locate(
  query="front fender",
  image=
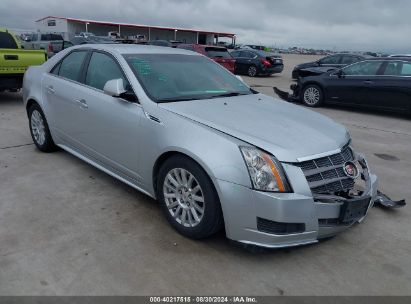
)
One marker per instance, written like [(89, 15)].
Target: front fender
[(217, 153)]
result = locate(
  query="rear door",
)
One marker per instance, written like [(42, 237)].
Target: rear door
[(392, 88), (248, 59), (60, 91), (241, 61), (354, 85)]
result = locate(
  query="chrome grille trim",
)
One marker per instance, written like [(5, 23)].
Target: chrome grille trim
[(326, 174)]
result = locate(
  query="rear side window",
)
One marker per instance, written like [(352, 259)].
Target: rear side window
[(247, 55), (7, 41), (56, 37), (51, 37), (217, 53), (101, 69), (70, 67), (398, 68), (406, 69), (366, 68)]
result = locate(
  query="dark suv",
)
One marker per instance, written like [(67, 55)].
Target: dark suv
[(255, 62), (217, 53), (332, 61)]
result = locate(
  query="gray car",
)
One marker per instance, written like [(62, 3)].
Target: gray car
[(215, 153)]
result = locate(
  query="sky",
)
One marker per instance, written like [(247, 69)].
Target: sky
[(361, 25)]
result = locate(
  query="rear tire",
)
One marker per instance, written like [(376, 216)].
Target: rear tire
[(252, 71), (39, 130), (188, 198), (312, 96)]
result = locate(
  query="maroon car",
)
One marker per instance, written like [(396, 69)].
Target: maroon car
[(217, 53)]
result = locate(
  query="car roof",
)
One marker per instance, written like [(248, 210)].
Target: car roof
[(124, 49), (389, 59), (203, 46)]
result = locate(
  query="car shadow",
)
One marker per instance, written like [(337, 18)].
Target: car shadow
[(361, 110), (10, 98)]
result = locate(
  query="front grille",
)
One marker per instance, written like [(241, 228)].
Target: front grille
[(272, 227), (326, 174)]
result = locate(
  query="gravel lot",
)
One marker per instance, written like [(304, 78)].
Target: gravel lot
[(69, 229)]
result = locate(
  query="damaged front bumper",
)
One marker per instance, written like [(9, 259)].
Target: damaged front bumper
[(290, 97), (276, 220)]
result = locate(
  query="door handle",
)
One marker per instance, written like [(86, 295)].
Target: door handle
[(368, 82), (51, 90), (82, 103), (11, 57)]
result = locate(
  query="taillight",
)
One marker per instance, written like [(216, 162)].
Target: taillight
[(265, 62), (51, 49)]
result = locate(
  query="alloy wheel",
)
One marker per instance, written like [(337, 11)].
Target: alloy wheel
[(37, 127), (252, 71), (184, 197), (312, 96)]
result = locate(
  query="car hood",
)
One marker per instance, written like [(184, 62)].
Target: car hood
[(307, 65), (314, 71), (287, 131)]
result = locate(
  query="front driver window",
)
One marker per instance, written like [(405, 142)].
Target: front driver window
[(367, 68), (101, 69)]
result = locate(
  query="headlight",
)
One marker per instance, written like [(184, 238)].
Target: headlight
[(266, 172)]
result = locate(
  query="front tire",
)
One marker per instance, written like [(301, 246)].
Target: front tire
[(312, 96), (39, 130), (188, 198)]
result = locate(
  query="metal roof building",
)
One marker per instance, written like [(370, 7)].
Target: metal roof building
[(72, 26)]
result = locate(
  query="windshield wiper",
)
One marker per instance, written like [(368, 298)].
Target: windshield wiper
[(232, 94), (176, 99)]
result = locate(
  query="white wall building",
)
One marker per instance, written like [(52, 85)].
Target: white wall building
[(71, 26)]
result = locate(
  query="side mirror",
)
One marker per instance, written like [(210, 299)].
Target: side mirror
[(114, 87), (339, 73)]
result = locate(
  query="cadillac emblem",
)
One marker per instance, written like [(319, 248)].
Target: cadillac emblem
[(351, 170)]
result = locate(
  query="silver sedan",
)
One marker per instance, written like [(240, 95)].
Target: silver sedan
[(215, 153)]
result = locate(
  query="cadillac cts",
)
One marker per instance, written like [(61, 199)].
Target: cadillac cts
[(214, 153)]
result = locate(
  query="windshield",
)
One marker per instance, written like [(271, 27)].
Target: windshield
[(171, 77)]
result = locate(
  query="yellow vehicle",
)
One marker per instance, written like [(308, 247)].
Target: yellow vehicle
[(14, 61)]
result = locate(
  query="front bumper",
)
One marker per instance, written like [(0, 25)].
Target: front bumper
[(243, 207)]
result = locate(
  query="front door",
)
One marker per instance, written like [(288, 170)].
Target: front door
[(110, 127), (354, 83)]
